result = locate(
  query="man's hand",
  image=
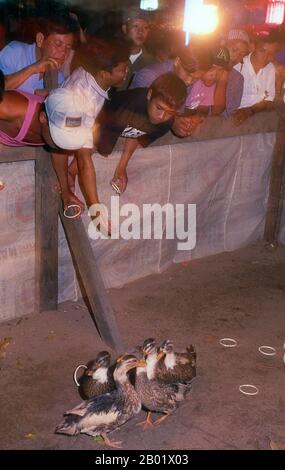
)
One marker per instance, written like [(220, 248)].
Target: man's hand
[(241, 115), (120, 178), (69, 199), (184, 126), (44, 64)]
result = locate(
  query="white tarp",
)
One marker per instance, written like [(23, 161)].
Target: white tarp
[(226, 178), (228, 181), (17, 240)]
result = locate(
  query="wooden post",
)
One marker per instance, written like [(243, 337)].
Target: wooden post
[(276, 193), (46, 233), (101, 308)]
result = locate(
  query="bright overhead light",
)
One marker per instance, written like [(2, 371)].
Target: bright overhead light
[(199, 18), (149, 5), (275, 12)]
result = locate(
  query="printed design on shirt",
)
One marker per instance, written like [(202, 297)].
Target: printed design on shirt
[(196, 100), (132, 132)]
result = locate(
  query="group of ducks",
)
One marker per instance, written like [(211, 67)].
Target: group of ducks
[(152, 377)]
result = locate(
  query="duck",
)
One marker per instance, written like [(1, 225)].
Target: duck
[(176, 367), (102, 414), (155, 395), (97, 378)]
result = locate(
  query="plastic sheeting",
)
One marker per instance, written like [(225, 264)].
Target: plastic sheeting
[(226, 178), (17, 240)]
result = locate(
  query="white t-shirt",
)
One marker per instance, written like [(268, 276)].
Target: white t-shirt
[(134, 57), (257, 86), (83, 82)]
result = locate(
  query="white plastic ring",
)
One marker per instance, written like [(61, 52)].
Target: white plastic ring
[(75, 373), (70, 207), (267, 350), (228, 342), (252, 390)]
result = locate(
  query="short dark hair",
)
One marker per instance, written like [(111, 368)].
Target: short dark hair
[(170, 89), (195, 58), (102, 54), (57, 24)]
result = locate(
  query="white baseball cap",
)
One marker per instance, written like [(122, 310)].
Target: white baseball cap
[(70, 124), (238, 35)]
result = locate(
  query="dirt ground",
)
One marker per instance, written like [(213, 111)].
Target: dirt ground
[(240, 295)]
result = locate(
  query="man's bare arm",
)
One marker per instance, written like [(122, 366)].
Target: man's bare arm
[(120, 176), (14, 80)]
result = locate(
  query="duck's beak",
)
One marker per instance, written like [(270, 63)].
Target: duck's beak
[(120, 358), (141, 363), (160, 355)]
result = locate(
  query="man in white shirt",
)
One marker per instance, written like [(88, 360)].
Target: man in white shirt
[(259, 79), (104, 65)]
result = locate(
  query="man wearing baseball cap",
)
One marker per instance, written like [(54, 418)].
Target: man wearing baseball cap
[(62, 123), (69, 122), (238, 44)]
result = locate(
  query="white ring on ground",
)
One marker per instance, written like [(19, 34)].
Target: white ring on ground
[(75, 373), (230, 340), (268, 348), (72, 216), (253, 387)]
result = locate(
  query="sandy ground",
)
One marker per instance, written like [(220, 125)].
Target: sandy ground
[(240, 295)]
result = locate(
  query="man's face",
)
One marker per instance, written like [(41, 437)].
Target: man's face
[(159, 111), (238, 50), (265, 52), (118, 74), (188, 77), (57, 46), (137, 31), (212, 75)]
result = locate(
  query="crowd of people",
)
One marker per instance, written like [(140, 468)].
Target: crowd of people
[(76, 93)]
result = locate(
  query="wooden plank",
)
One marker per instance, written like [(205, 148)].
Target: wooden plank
[(276, 187), (8, 154), (83, 257), (46, 233)]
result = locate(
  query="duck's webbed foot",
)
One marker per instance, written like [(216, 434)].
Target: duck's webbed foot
[(162, 418), (147, 423), (108, 442)]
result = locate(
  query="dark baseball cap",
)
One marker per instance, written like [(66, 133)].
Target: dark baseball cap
[(135, 13), (193, 59), (221, 56)]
